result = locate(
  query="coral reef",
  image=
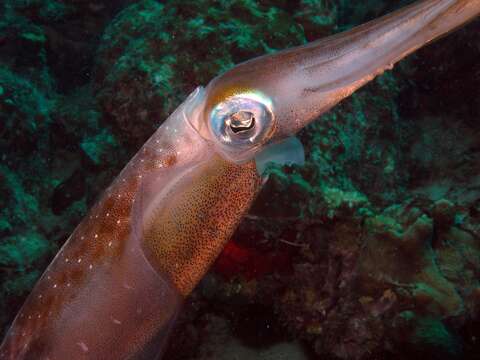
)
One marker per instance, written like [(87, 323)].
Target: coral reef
[(370, 250)]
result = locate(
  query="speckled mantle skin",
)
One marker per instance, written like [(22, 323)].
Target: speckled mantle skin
[(390, 184)]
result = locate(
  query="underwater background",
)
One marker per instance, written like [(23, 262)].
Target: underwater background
[(369, 251)]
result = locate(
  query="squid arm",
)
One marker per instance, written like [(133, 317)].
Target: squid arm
[(114, 289)]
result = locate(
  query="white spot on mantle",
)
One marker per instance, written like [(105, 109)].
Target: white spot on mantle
[(126, 286), (83, 346)]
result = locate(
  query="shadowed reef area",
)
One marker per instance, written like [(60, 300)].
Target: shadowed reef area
[(369, 251)]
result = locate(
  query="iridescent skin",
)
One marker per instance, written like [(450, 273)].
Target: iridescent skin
[(114, 289)]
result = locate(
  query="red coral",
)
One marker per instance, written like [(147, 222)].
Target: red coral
[(237, 259)]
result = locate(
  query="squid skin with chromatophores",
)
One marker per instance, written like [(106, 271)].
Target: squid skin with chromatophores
[(115, 288), (108, 264)]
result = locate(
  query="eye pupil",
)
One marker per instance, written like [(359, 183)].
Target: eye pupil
[(242, 121), (241, 124)]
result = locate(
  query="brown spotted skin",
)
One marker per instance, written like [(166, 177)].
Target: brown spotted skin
[(184, 238), (113, 290), (95, 300)]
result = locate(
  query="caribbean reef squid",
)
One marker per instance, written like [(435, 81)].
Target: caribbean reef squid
[(114, 289)]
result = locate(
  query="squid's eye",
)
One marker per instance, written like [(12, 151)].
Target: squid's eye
[(241, 124)]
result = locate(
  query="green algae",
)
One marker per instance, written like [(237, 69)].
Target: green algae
[(433, 332), (23, 250), (95, 147), (430, 332), (34, 37)]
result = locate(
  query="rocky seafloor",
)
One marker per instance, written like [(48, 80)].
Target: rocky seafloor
[(369, 251)]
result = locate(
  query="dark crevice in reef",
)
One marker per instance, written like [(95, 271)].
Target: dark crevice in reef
[(70, 33)]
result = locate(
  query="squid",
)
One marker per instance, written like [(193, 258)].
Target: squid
[(115, 288)]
